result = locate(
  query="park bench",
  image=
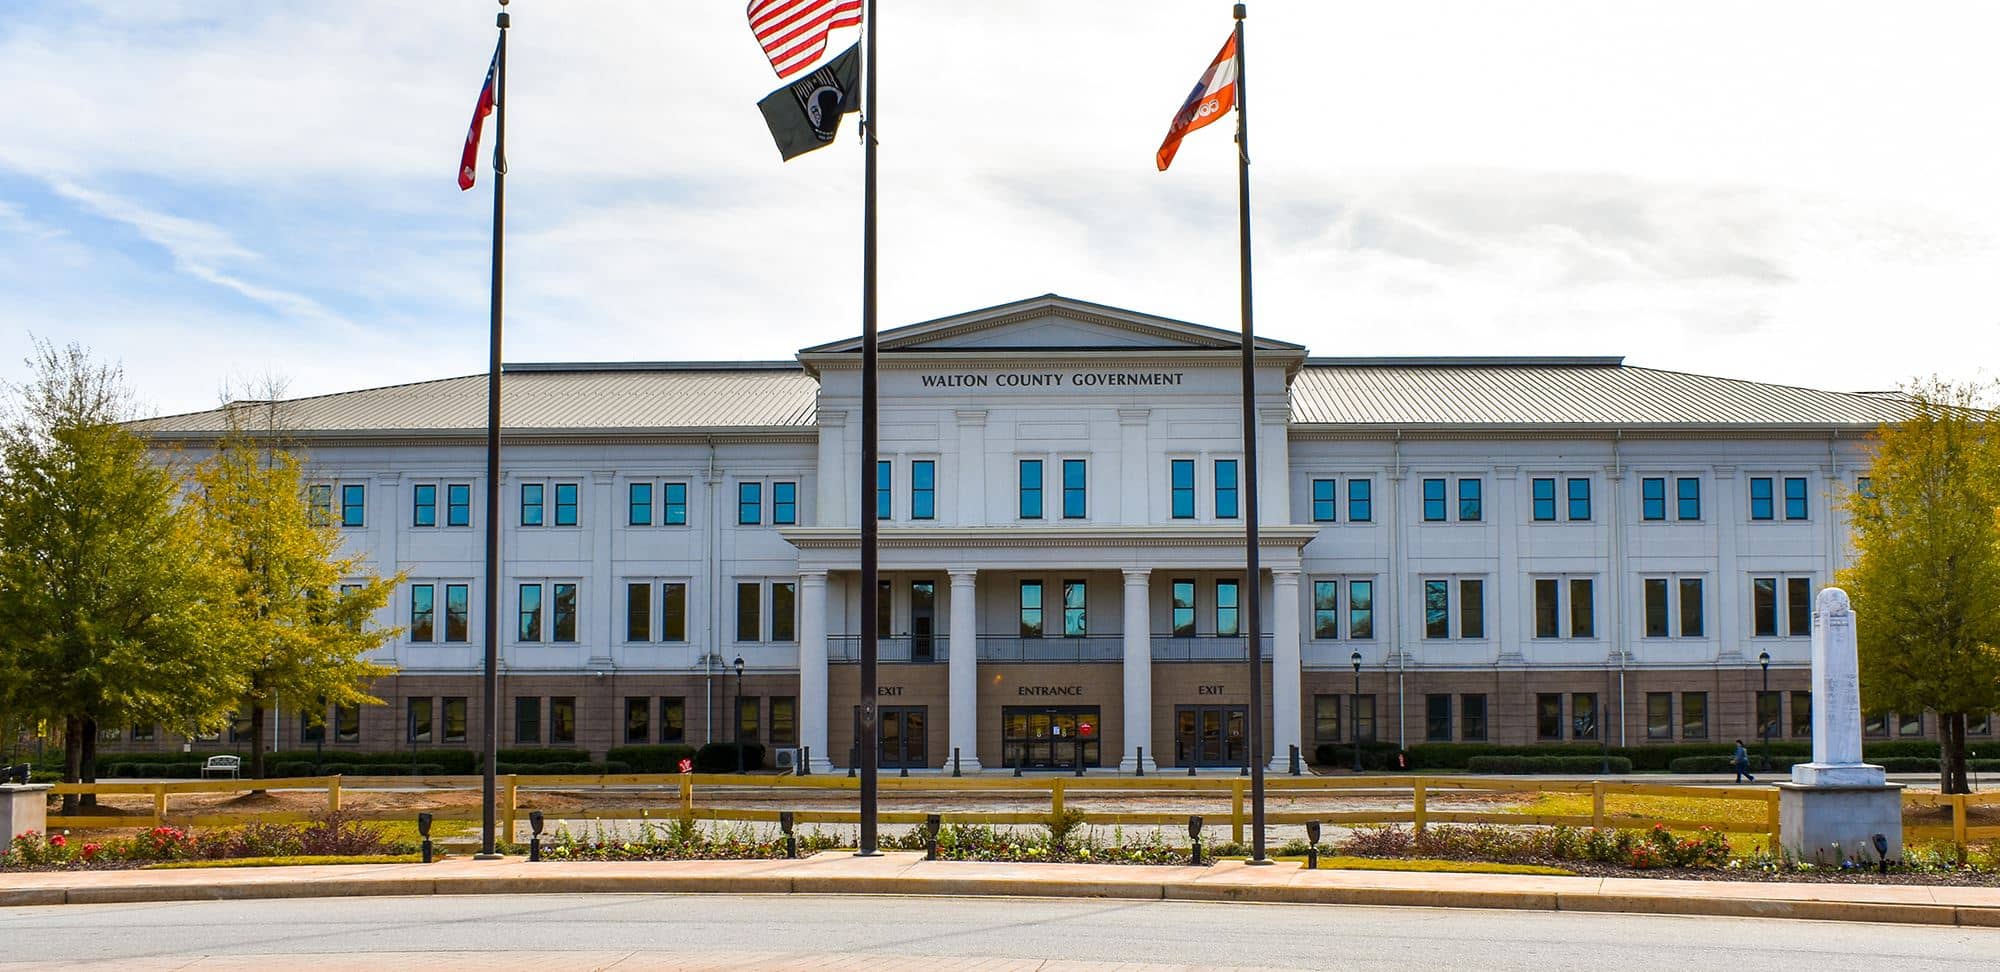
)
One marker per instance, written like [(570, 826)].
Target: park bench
[(232, 765)]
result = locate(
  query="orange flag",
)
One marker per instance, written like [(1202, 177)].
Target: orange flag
[(1211, 98)]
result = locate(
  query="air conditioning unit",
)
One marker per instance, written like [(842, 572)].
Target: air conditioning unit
[(788, 759)]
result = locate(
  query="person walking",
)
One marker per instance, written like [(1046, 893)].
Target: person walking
[(1741, 761)]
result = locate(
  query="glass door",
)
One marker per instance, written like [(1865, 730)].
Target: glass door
[(923, 620), (1210, 735)]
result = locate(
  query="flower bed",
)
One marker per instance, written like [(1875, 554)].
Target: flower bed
[(682, 840), (978, 842), (330, 836)]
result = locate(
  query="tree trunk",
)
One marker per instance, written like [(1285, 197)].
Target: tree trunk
[(1957, 778), (87, 764), (257, 714), (72, 759)]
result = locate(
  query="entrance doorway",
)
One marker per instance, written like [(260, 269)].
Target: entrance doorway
[(1210, 735), (905, 741), (923, 621), (1037, 737)]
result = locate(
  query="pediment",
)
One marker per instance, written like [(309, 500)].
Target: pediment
[(1051, 322)]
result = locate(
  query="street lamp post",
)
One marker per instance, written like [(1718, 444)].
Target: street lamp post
[(1354, 710), (1764, 661), (739, 713)]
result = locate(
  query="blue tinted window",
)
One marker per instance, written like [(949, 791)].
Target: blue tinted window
[(1360, 500), (1688, 494), (923, 490), (1225, 489), (1434, 500), (674, 512), (1653, 499), (1579, 499), (424, 506), (531, 504), (1795, 498), (1468, 500), (1322, 500), (1545, 499), (785, 503), (639, 504), (1760, 498), (458, 505), (354, 503), (884, 475), (565, 504), (1031, 489), (1076, 480), (749, 503), (1181, 477)]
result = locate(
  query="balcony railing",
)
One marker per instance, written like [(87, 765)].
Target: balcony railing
[(889, 648), (1205, 648), (1090, 648)]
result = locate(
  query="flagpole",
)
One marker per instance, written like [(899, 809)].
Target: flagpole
[(1255, 585), (491, 729), (867, 745)]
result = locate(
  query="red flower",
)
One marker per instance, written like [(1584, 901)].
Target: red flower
[(58, 841)]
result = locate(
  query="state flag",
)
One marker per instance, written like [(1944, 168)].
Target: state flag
[(805, 114), (1211, 98), (468, 161)]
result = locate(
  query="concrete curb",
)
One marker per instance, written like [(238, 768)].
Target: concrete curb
[(896, 878)]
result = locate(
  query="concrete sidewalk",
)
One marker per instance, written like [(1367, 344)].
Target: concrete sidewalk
[(909, 874)]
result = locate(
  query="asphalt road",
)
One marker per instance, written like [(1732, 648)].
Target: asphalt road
[(799, 931)]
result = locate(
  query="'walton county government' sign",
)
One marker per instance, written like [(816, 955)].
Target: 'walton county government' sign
[(1054, 379)]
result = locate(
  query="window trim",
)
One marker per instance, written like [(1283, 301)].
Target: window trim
[(1081, 491), (1330, 503), (418, 506), (1234, 489), (927, 508), (1024, 489), (1176, 492)]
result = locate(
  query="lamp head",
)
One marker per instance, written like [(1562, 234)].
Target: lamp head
[(1764, 659), (535, 822), (1882, 846), (424, 825), (1312, 831), (739, 664), (1355, 658), (1194, 828)]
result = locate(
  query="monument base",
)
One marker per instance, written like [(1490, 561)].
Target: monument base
[(1829, 824), (24, 808), (1839, 774)]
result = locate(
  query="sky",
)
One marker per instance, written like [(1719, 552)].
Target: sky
[(219, 193)]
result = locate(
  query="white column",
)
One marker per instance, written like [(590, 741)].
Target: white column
[(812, 668), (962, 650), (1286, 729), (1138, 672)]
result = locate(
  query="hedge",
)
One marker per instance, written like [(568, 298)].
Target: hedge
[(580, 768), (1374, 756), (653, 759), (721, 757), (1725, 763), (458, 762), (1654, 758), (1548, 764), (522, 757)]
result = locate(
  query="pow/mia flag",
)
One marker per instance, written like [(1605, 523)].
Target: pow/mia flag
[(805, 114)]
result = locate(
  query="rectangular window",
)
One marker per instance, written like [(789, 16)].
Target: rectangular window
[(639, 720), (1361, 609), (564, 598), (454, 719), (1579, 500), (1433, 501), (1764, 606), (885, 478), (1472, 609), (562, 720), (1652, 498), (923, 490), (530, 628), (424, 506), (346, 723), (1225, 489), (1031, 609), (1760, 498), (1687, 496), (1582, 608), (1548, 716), (639, 504), (1180, 473), (1184, 609), (531, 504), (1472, 718), (1075, 602), (1545, 499), (673, 612), (674, 508), (785, 504), (423, 612), (1802, 715), (353, 505), (748, 725), (1694, 715), (1976, 724), (784, 720), (1364, 718), (1795, 498), (1226, 609), (1691, 613), (1659, 715), (1437, 718), (749, 504), (1322, 500), (565, 504), (1031, 489), (1360, 500), (1656, 607), (1865, 486), (1876, 725), (319, 504), (1075, 487), (1909, 723), (420, 720), (1326, 718), (673, 719), (1583, 715), (784, 611), (457, 613), (885, 607), (529, 719), (458, 505), (1769, 714), (638, 612), (1798, 606), (1326, 609), (1437, 609), (312, 728), (749, 611), (1548, 614), (1468, 501)]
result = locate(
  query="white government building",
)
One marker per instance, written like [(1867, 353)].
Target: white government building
[(1513, 549)]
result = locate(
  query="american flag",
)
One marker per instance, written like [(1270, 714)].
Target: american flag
[(793, 32)]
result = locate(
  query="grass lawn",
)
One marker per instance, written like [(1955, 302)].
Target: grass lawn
[(1330, 862), (290, 861), (1707, 809)]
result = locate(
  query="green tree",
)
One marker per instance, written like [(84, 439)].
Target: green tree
[(1926, 584), (299, 612), (106, 608)]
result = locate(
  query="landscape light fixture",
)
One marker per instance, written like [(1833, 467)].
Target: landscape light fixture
[(1764, 661), (424, 831), (1194, 837), (1312, 845), (1882, 853), (739, 714), (535, 836), (1354, 709)]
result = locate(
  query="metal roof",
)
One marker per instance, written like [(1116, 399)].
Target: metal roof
[(1561, 392), (697, 395)]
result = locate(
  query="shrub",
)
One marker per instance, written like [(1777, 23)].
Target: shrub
[(721, 757), (1723, 763), (652, 759), (524, 756), (1580, 765), (1374, 756)]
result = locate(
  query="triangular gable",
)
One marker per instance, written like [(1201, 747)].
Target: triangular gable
[(1052, 322)]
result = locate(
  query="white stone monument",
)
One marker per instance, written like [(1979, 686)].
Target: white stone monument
[(1836, 805)]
